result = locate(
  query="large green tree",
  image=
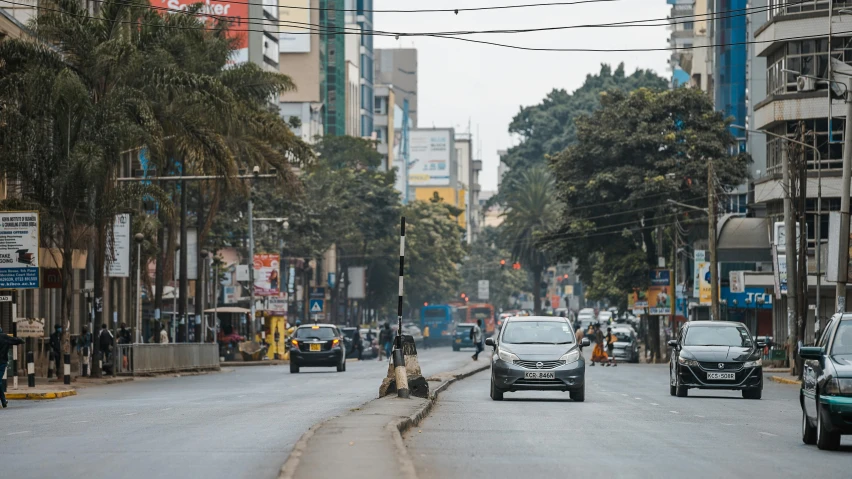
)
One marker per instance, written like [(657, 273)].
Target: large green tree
[(483, 262)]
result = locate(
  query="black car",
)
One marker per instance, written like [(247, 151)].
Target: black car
[(716, 355), (537, 353), (354, 350), (826, 394), (317, 345)]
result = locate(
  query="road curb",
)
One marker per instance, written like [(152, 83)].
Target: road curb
[(783, 380), (41, 396), (395, 427)]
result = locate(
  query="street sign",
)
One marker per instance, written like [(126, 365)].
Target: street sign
[(29, 327), (6, 298), (276, 303), (482, 289), (318, 293), (316, 306), (19, 250)]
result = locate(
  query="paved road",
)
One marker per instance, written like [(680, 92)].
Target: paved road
[(241, 423), (628, 427)]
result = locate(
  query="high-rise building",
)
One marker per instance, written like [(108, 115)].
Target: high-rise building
[(681, 37), (299, 58), (333, 66), (398, 67), (367, 70)]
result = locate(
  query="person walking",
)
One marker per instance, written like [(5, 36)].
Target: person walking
[(356, 343), (84, 344), (105, 345), (426, 337), (476, 337), (611, 339), (55, 344), (385, 341), (164, 336), (6, 343)]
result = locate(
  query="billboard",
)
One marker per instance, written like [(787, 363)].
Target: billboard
[(236, 12), (430, 157), (294, 18), (659, 293), (117, 263), (19, 250), (266, 276), (191, 255), (701, 281)]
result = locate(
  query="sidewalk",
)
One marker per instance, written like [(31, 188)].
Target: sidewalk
[(367, 442)]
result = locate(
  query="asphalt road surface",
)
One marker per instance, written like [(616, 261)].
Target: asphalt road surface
[(628, 427), (240, 423)]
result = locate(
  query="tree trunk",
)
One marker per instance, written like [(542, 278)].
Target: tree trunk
[(100, 260), (536, 272), (67, 282)]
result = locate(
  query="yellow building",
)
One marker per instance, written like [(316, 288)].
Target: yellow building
[(447, 194)]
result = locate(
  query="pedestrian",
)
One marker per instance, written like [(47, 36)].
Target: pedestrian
[(164, 336), (611, 339), (426, 337), (476, 337), (105, 345), (6, 343), (598, 354), (83, 343), (356, 343), (55, 344), (124, 336), (385, 338)]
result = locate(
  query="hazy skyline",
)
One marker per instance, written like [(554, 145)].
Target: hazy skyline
[(461, 82)]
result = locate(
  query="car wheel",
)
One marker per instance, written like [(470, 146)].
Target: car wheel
[(342, 366), (752, 393), (680, 391), (496, 393), (825, 439), (579, 395), (808, 430), (294, 367)]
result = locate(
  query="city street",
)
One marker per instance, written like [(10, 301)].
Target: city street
[(629, 426), (238, 423)]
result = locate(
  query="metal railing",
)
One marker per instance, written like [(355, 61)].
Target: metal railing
[(158, 358)]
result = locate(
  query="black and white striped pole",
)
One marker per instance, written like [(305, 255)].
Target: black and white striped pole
[(85, 368), (30, 369), (50, 364), (398, 357), (67, 368)]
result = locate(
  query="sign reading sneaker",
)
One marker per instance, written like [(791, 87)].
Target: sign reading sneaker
[(235, 12), (19, 250)]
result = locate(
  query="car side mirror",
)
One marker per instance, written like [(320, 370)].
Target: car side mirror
[(585, 342), (490, 342), (760, 344), (672, 343), (811, 352)]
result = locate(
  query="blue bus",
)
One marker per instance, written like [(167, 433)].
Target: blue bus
[(439, 318)]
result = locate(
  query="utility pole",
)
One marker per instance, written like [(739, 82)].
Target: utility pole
[(791, 246), (184, 266), (252, 326), (711, 223), (843, 245)]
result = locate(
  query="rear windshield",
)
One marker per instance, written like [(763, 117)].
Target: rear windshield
[(622, 336), (435, 313), (537, 332), (322, 333)]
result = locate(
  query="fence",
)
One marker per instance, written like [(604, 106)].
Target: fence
[(157, 358)]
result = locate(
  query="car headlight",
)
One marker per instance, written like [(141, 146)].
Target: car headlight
[(845, 386), (571, 356), (686, 362), (506, 356), (753, 364), (837, 387)]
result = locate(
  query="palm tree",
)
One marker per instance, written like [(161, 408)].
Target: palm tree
[(531, 209)]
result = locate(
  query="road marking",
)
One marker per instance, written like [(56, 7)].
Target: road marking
[(131, 414), (79, 422), (166, 409), (625, 395), (768, 434), (726, 424), (674, 412), (698, 415), (19, 432), (638, 399), (241, 396), (654, 404)]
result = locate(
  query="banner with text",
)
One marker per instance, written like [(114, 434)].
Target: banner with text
[(19, 243)]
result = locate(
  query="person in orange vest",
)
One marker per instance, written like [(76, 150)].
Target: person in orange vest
[(426, 337)]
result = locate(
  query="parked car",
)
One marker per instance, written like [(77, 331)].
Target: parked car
[(317, 345), (351, 350), (826, 393), (461, 337), (627, 347), (716, 355)]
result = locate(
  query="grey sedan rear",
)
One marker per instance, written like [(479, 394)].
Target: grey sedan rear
[(538, 353)]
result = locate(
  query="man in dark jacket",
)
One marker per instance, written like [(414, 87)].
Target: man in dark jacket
[(124, 336), (6, 343), (105, 341), (56, 348)]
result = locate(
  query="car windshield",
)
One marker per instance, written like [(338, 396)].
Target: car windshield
[(537, 332), (321, 333), (622, 336), (733, 336), (843, 339)]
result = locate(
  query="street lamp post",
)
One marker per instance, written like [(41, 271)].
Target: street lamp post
[(174, 301), (139, 237), (203, 276)]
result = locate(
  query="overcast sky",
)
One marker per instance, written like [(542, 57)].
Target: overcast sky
[(462, 82)]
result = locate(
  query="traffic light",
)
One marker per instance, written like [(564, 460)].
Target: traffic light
[(502, 263), (425, 304), (516, 265)]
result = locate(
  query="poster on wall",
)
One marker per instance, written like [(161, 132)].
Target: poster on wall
[(19, 243), (659, 293), (235, 12), (430, 157), (267, 281), (117, 263), (294, 18)]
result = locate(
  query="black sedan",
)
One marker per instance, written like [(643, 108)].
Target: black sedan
[(317, 345), (716, 355), (538, 353), (826, 394)]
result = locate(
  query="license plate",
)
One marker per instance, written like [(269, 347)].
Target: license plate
[(316, 347), (721, 376), (458, 341), (539, 375)]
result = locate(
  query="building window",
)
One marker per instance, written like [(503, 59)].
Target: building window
[(806, 57), (380, 105), (792, 7), (813, 132)]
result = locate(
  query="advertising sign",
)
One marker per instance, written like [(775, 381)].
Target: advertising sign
[(831, 272), (750, 298), (230, 294), (737, 281), (659, 293), (276, 304), (52, 278), (29, 327), (266, 279), (242, 272), (118, 249), (19, 250), (637, 302), (235, 12), (430, 157), (701, 282), (191, 255), (357, 282), (294, 17), (482, 289)]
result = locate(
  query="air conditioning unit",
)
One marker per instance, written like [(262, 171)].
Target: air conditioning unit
[(805, 84)]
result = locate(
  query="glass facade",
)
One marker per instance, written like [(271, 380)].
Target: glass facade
[(731, 56), (365, 21), (333, 66)]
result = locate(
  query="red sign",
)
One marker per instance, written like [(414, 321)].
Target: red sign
[(554, 301), (236, 13), (266, 275), (52, 278)]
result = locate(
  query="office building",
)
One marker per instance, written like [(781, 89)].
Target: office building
[(398, 67)]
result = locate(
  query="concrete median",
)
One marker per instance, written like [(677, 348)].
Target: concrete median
[(367, 441)]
